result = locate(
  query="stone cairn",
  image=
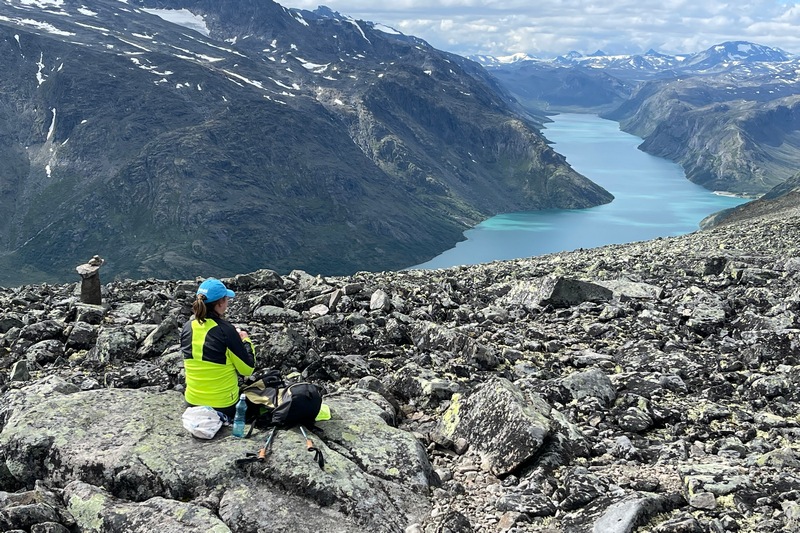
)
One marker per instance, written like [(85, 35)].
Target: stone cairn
[(90, 280)]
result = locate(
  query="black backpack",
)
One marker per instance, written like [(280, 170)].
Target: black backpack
[(271, 402)]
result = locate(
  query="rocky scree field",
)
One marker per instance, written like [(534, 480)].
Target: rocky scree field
[(648, 387)]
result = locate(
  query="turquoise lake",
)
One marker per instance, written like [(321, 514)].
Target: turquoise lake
[(652, 198)]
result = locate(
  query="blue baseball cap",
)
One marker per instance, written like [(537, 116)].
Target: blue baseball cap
[(213, 289)]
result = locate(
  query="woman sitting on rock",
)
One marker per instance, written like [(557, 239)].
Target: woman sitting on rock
[(214, 351)]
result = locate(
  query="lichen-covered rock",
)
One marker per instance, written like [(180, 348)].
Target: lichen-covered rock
[(44, 352), (557, 291), (113, 344), (590, 383), (252, 507), (41, 331), (97, 511), (626, 289), (40, 509), (260, 279), (132, 443), (627, 514), (719, 479), (360, 433), (429, 336), (81, 335), (501, 421), (272, 314), (421, 385)]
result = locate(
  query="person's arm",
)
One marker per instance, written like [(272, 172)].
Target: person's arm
[(242, 350)]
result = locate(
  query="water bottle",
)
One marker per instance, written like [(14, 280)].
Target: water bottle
[(238, 421)]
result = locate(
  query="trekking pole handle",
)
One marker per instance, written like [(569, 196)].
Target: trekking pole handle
[(309, 444)]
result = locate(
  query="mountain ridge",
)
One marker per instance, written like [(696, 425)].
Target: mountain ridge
[(714, 57)]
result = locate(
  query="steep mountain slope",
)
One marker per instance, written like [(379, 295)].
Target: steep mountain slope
[(736, 131), (247, 136)]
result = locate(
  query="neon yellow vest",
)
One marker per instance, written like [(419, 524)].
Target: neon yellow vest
[(215, 384)]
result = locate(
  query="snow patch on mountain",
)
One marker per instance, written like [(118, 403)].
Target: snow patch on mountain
[(39, 25), (490, 61), (386, 29), (43, 4), (181, 17)]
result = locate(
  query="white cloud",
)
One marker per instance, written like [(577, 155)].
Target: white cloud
[(551, 27)]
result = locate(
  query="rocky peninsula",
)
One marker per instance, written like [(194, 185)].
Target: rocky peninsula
[(647, 387)]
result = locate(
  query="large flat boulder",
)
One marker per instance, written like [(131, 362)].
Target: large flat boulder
[(132, 443), (557, 291)]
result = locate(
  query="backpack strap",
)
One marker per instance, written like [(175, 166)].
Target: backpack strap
[(270, 377), (310, 447)]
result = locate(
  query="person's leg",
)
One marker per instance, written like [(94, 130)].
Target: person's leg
[(230, 412)]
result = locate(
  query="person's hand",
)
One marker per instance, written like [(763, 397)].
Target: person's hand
[(242, 333)]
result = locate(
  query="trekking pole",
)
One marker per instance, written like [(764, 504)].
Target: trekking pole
[(262, 453), (310, 447)]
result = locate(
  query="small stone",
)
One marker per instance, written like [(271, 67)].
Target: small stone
[(444, 474), (319, 310), (703, 500), (90, 384), (510, 519), (379, 301), (19, 372), (335, 298), (461, 445)]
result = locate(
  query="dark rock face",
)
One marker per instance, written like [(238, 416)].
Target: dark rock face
[(282, 138), (669, 405)]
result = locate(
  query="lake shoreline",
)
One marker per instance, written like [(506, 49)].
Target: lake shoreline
[(738, 195), (653, 198)]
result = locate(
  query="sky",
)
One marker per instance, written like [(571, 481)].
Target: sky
[(547, 28)]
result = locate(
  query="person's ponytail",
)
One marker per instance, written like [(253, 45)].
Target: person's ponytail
[(199, 308)]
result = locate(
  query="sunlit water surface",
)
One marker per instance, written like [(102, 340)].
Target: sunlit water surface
[(652, 198)]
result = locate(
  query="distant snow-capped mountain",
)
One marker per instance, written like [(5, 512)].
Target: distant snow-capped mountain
[(652, 63), (730, 115), (734, 52), (492, 61)]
